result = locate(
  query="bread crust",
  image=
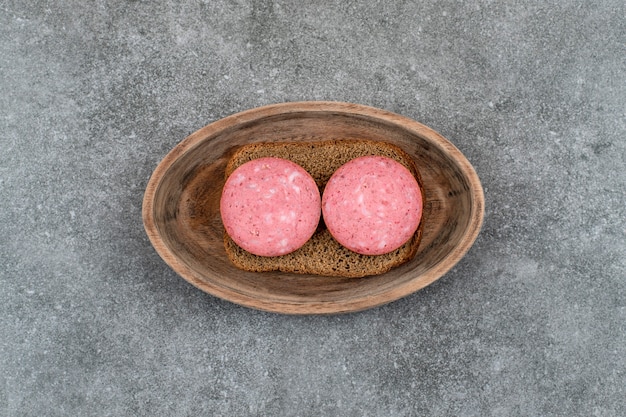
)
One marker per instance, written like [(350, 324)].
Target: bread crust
[(322, 254)]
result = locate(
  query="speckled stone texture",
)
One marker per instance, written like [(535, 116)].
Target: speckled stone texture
[(532, 322)]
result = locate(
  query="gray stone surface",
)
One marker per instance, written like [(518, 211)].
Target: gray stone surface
[(532, 322)]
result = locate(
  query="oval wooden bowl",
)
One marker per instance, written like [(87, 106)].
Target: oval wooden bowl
[(181, 207)]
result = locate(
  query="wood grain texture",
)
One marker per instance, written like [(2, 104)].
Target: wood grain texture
[(181, 207)]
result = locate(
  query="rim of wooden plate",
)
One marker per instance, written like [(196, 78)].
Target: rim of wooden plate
[(316, 307)]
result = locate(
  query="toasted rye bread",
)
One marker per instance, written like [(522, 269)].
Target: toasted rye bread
[(322, 254)]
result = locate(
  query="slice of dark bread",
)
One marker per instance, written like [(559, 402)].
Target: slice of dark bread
[(322, 254)]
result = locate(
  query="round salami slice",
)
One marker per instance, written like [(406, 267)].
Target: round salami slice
[(372, 205), (270, 206)]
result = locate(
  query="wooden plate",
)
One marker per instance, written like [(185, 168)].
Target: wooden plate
[(181, 207)]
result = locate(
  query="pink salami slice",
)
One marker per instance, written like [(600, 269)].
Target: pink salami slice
[(372, 205), (270, 206)]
